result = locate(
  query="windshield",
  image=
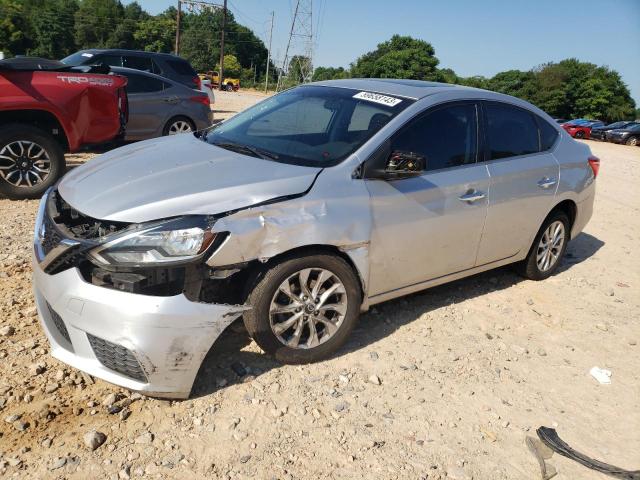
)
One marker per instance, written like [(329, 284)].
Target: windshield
[(78, 58), (308, 125)]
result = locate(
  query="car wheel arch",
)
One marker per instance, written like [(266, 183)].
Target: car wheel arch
[(259, 268)]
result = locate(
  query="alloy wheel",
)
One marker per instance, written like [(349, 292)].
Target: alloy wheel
[(180, 126), (308, 308), (24, 163), (550, 246)]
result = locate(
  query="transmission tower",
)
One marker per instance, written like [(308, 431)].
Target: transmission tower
[(300, 45)]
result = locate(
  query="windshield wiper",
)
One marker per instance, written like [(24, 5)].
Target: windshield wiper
[(256, 152)]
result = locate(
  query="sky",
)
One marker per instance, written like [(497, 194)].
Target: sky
[(473, 37)]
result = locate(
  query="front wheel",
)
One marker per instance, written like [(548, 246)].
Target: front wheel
[(230, 87), (579, 134), (304, 308), (31, 160), (548, 248)]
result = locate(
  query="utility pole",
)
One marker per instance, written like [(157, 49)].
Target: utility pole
[(178, 28), (266, 79), (224, 25)]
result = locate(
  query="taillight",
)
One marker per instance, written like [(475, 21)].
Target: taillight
[(198, 81), (203, 99), (594, 163)]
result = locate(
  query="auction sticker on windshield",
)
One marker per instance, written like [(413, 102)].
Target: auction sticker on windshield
[(377, 98)]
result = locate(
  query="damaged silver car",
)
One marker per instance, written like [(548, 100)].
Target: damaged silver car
[(298, 214)]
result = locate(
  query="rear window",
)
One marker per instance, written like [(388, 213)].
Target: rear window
[(181, 67), (143, 84), (511, 131)]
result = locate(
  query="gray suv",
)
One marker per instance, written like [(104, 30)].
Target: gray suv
[(296, 215)]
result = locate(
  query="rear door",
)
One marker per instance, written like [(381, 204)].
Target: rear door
[(430, 226), (149, 105), (524, 179)]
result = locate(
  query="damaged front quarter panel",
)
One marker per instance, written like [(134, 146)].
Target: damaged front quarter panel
[(334, 213)]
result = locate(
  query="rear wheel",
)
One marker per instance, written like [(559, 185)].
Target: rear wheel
[(304, 308), (31, 160), (548, 248), (632, 141), (178, 125), (229, 87)]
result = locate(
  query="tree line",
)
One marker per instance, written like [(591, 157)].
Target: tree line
[(57, 28), (566, 89)]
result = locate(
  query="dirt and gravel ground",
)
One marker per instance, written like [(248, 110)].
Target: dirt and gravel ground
[(443, 384)]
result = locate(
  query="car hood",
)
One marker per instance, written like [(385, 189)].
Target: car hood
[(178, 175)]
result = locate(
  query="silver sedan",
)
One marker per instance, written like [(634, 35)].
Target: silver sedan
[(297, 215), (160, 106)]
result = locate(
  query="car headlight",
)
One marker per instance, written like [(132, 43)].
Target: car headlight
[(170, 241)]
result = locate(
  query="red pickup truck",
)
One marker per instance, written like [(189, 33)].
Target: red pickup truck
[(48, 108)]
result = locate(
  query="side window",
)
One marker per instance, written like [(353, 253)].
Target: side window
[(155, 68), (111, 60), (143, 84), (446, 137), (182, 67), (138, 63), (367, 117), (548, 134), (511, 131)]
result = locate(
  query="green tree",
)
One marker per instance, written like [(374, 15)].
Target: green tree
[(53, 29), (232, 67), (399, 57), (97, 22), (14, 28), (157, 33), (329, 73)]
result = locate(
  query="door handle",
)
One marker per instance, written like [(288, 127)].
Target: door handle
[(472, 196), (547, 182), (171, 100)]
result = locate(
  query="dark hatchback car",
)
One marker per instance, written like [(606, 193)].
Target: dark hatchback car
[(163, 64), (629, 135), (600, 133)]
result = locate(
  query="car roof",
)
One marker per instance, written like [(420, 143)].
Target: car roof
[(414, 89), (123, 51)]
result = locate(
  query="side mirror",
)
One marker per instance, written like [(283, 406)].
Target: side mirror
[(404, 165)]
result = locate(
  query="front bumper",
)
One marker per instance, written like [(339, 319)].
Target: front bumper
[(150, 344), (168, 336)]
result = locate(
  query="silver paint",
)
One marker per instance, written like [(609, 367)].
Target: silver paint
[(401, 236)]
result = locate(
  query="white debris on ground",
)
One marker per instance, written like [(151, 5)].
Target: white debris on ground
[(445, 384)]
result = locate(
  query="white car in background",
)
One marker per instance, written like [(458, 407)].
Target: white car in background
[(206, 87)]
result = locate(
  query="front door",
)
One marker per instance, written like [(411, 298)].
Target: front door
[(430, 226), (524, 178)]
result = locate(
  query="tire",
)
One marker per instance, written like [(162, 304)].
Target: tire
[(176, 125), (530, 267), (632, 141), (579, 134), (267, 295), (39, 161), (229, 87)]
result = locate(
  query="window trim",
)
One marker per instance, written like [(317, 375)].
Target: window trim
[(553, 146), (485, 130), (432, 108)]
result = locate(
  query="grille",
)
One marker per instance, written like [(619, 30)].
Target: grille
[(59, 324), (51, 237), (117, 358)]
